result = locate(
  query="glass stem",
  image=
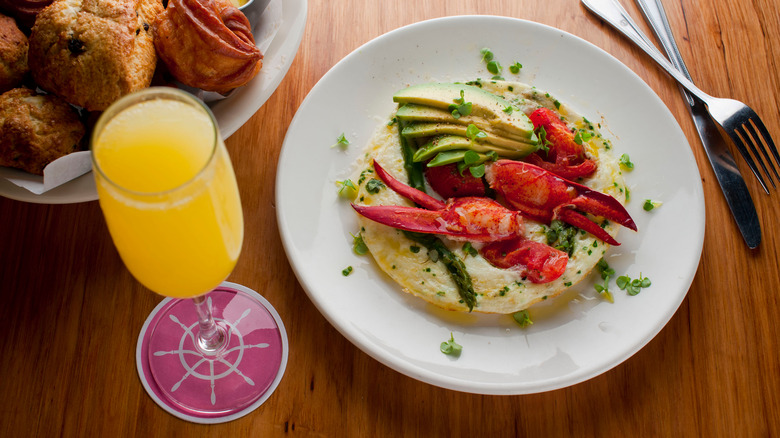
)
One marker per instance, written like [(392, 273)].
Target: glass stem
[(210, 337)]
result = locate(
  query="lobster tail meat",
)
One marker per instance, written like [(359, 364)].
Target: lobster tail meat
[(536, 261)]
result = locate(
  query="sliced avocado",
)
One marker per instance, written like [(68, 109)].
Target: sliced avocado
[(445, 143), (448, 157), (502, 145), (412, 113), (484, 104)]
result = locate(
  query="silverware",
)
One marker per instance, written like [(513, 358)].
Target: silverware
[(738, 120), (731, 182)]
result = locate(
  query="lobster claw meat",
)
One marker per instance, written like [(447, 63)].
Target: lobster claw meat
[(565, 157), (476, 219), (540, 195), (470, 218)]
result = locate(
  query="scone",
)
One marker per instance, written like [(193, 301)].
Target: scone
[(36, 129), (91, 52), (13, 54)]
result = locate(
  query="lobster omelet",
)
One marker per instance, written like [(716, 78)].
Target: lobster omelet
[(497, 290)]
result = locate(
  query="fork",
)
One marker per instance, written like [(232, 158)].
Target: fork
[(743, 126)]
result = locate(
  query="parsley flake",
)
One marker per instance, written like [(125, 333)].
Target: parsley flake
[(451, 347)]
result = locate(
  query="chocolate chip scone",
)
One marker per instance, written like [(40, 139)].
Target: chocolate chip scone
[(91, 52), (36, 129)]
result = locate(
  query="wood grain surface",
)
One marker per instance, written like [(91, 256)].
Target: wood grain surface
[(70, 311)]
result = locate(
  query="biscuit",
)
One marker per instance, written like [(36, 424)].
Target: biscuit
[(13, 54), (36, 129), (92, 52)]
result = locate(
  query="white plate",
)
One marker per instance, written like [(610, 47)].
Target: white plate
[(231, 113), (574, 337)]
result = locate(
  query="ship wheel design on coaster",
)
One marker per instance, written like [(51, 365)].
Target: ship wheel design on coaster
[(251, 363)]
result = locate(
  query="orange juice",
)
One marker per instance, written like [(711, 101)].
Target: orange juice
[(167, 190)]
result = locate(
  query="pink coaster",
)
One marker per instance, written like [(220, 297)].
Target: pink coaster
[(209, 389)]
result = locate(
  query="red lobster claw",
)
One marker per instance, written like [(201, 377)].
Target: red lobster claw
[(565, 158), (543, 196), (469, 218)]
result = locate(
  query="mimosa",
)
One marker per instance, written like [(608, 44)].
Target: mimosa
[(179, 240)]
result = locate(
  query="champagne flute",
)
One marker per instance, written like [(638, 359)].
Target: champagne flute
[(170, 199)]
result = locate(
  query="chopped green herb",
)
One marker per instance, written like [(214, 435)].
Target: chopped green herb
[(477, 171), (508, 109), (462, 108), (541, 134), (347, 189), (451, 347), (606, 273), (515, 68), (582, 136), (523, 318), (392, 121), (650, 205), (341, 141), (625, 162), (474, 133), (414, 248), (346, 271), (487, 55), (374, 185), (469, 250), (358, 245)]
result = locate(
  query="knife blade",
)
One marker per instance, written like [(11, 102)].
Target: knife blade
[(730, 179)]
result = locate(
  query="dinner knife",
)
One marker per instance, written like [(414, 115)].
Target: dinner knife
[(731, 182)]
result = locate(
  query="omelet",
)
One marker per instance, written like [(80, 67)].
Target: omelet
[(421, 272)]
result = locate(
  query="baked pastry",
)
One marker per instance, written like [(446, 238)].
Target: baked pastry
[(207, 44), (36, 129), (13, 54), (24, 10), (91, 52)]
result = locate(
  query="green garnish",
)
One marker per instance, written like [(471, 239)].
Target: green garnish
[(469, 250), (462, 108), (606, 273), (487, 55), (347, 189), (494, 67), (544, 144), (582, 136), (508, 109), (632, 287), (515, 68), (474, 133), (625, 162), (451, 347), (374, 185), (346, 271), (358, 245), (341, 141), (651, 205), (523, 318), (477, 171), (562, 236)]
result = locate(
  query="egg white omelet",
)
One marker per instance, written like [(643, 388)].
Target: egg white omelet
[(497, 290)]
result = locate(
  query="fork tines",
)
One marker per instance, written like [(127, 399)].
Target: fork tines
[(754, 134)]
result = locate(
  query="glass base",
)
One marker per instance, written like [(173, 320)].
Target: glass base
[(213, 388)]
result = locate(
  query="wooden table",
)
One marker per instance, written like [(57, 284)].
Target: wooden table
[(71, 312)]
